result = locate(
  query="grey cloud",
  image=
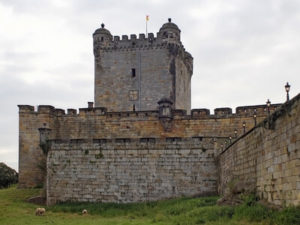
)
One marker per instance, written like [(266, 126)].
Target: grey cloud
[(27, 6)]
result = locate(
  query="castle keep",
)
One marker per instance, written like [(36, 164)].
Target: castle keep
[(134, 74), (142, 142)]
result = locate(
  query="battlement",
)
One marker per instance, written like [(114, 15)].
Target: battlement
[(241, 111), (133, 37), (129, 38), (26, 108), (168, 33), (223, 111), (200, 113), (133, 43), (255, 109)]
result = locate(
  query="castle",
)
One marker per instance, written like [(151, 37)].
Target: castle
[(140, 140)]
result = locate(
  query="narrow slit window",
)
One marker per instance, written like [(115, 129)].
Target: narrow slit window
[(133, 72), (133, 107)]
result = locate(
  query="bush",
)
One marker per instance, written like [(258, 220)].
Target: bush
[(288, 216), (254, 213), (8, 176), (252, 210)]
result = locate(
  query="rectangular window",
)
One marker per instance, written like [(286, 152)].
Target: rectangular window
[(133, 72)]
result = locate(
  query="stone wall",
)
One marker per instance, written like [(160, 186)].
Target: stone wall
[(126, 170), (183, 84), (159, 72), (97, 123), (31, 157), (266, 159)]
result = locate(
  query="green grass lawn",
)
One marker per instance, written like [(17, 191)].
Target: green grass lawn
[(14, 210)]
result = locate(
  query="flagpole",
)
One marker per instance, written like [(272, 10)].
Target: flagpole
[(146, 29), (147, 18)]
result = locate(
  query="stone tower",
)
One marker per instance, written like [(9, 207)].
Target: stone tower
[(135, 73)]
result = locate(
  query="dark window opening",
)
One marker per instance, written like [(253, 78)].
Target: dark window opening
[(133, 72), (173, 139), (102, 39), (133, 107), (147, 140)]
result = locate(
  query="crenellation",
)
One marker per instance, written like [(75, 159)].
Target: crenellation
[(59, 112), (133, 37), (124, 37), (151, 37), (83, 111), (223, 111), (46, 109), (200, 113), (116, 38), (26, 108), (255, 109), (142, 37), (128, 46), (244, 111), (71, 112)]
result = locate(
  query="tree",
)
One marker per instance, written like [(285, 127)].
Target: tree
[(8, 176)]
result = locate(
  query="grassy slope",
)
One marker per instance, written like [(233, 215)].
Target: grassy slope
[(14, 211)]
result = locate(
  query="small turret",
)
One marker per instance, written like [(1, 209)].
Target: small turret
[(102, 38), (169, 32), (165, 113)]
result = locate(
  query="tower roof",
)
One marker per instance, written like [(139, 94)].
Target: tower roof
[(169, 25), (102, 30)]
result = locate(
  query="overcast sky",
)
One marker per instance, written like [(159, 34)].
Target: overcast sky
[(244, 51)]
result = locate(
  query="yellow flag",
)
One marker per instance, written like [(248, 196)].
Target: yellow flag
[(147, 17)]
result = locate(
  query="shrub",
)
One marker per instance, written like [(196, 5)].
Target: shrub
[(8, 176), (288, 216)]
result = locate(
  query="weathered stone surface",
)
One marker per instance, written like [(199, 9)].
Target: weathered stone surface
[(99, 125), (266, 161), (125, 173), (141, 71)]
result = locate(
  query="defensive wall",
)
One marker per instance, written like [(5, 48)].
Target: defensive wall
[(266, 159), (130, 170), (97, 123)]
